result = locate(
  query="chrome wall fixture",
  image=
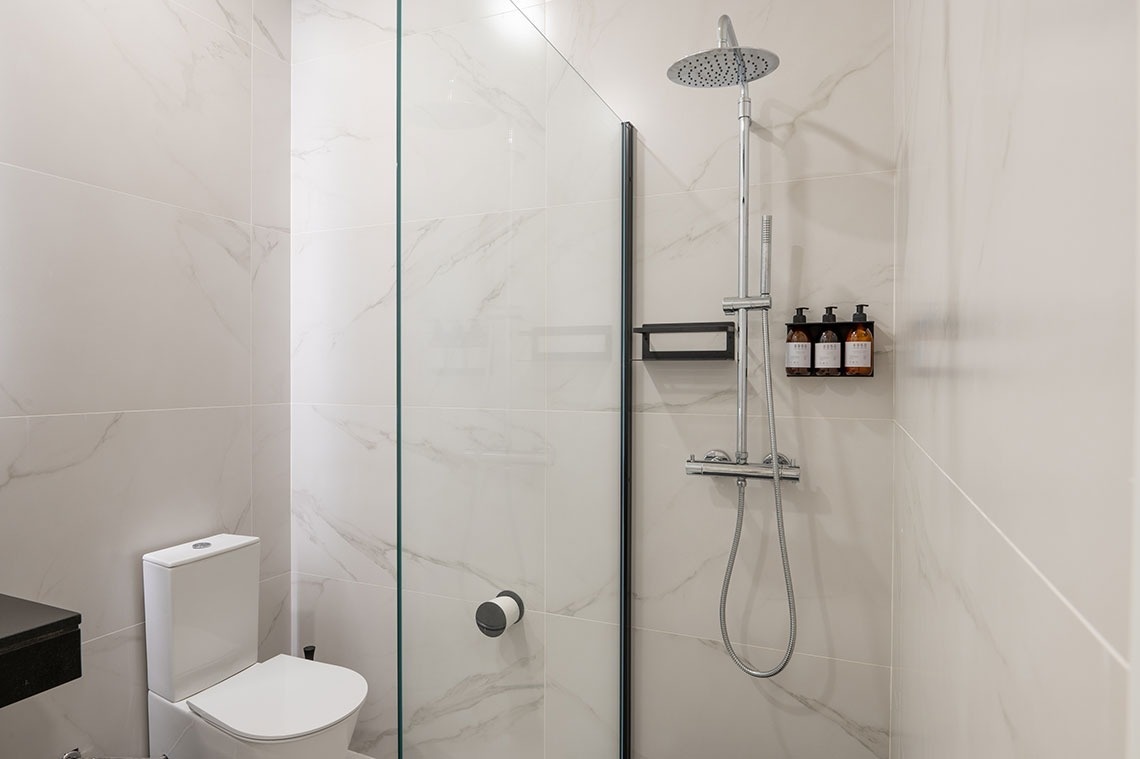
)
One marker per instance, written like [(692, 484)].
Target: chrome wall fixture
[(729, 64)]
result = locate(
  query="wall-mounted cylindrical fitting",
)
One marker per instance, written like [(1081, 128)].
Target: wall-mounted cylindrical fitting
[(495, 616)]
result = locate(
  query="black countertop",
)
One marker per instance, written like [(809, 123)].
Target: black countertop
[(39, 648), (22, 621)]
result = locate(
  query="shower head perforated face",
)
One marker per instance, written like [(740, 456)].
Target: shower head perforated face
[(723, 67)]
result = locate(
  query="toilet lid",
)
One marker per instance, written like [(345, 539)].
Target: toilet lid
[(280, 699)]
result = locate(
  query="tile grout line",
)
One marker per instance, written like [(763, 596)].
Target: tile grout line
[(132, 195), (761, 648), (1108, 647)]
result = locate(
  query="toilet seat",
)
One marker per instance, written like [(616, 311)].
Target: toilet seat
[(282, 699)]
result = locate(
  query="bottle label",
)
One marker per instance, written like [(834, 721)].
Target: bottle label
[(859, 355), (798, 356), (827, 355)]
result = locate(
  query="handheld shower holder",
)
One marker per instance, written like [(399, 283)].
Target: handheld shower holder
[(733, 304)]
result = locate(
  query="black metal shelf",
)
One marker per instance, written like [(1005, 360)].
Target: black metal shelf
[(728, 353)]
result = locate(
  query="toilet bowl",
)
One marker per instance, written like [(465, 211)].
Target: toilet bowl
[(209, 698)]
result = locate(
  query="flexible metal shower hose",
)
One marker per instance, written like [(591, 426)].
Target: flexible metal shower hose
[(740, 485)]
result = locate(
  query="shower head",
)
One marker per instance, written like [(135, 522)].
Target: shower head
[(726, 65)]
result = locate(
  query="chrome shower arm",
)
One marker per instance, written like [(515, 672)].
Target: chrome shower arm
[(725, 33)]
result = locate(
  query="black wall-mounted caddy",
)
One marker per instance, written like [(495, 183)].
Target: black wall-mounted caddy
[(649, 353), (815, 329)]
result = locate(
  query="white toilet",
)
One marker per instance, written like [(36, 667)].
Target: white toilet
[(209, 698)]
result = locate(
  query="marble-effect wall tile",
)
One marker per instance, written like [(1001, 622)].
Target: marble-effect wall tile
[(986, 238), (344, 139), (270, 292), (271, 141), (692, 701), (582, 515), (978, 637), (330, 27), (581, 696), (474, 487), (90, 263), (354, 625), (838, 526), (102, 490), (582, 345), (474, 310), (344, 493), (474, 131), (160, 106), (825, 111), (275, 617), (271, 470), (273, 27), (103, 712), (235, 16), (344, 317), (465, 694), (832, 245)]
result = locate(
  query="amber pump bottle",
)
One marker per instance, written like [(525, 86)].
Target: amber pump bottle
[(859, 350), (797, 357), (828, 349)]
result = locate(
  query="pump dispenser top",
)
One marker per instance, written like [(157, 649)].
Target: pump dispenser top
[(799, 318), (830, 315), (859, 315)]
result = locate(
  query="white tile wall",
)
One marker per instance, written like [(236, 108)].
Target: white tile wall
[(143, 314), (988, 659), (344, 317), (344, 509), (465, 694), (89, 264), (141, 96), (1015, 233), (354, 625)]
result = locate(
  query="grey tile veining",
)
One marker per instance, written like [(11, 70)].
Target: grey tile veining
[(271, 477), (175, 125), (474, 132), (102, 490), (985, 239), (344, 493), (329, 27), (824, 112), (354, 625), (103, 712), (988, 660), (473, 497), (90, 261), (271, 294), (344, 139), (273, 27), (344, 317), (466, 694), (474, 302), (692, 701), (838, 519)]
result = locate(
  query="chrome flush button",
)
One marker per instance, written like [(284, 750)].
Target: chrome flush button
[(200, 546)]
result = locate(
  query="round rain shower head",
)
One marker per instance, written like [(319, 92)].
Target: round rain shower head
[(723, 67)]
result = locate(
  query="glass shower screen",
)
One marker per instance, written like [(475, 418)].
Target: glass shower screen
[(509, 333)]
